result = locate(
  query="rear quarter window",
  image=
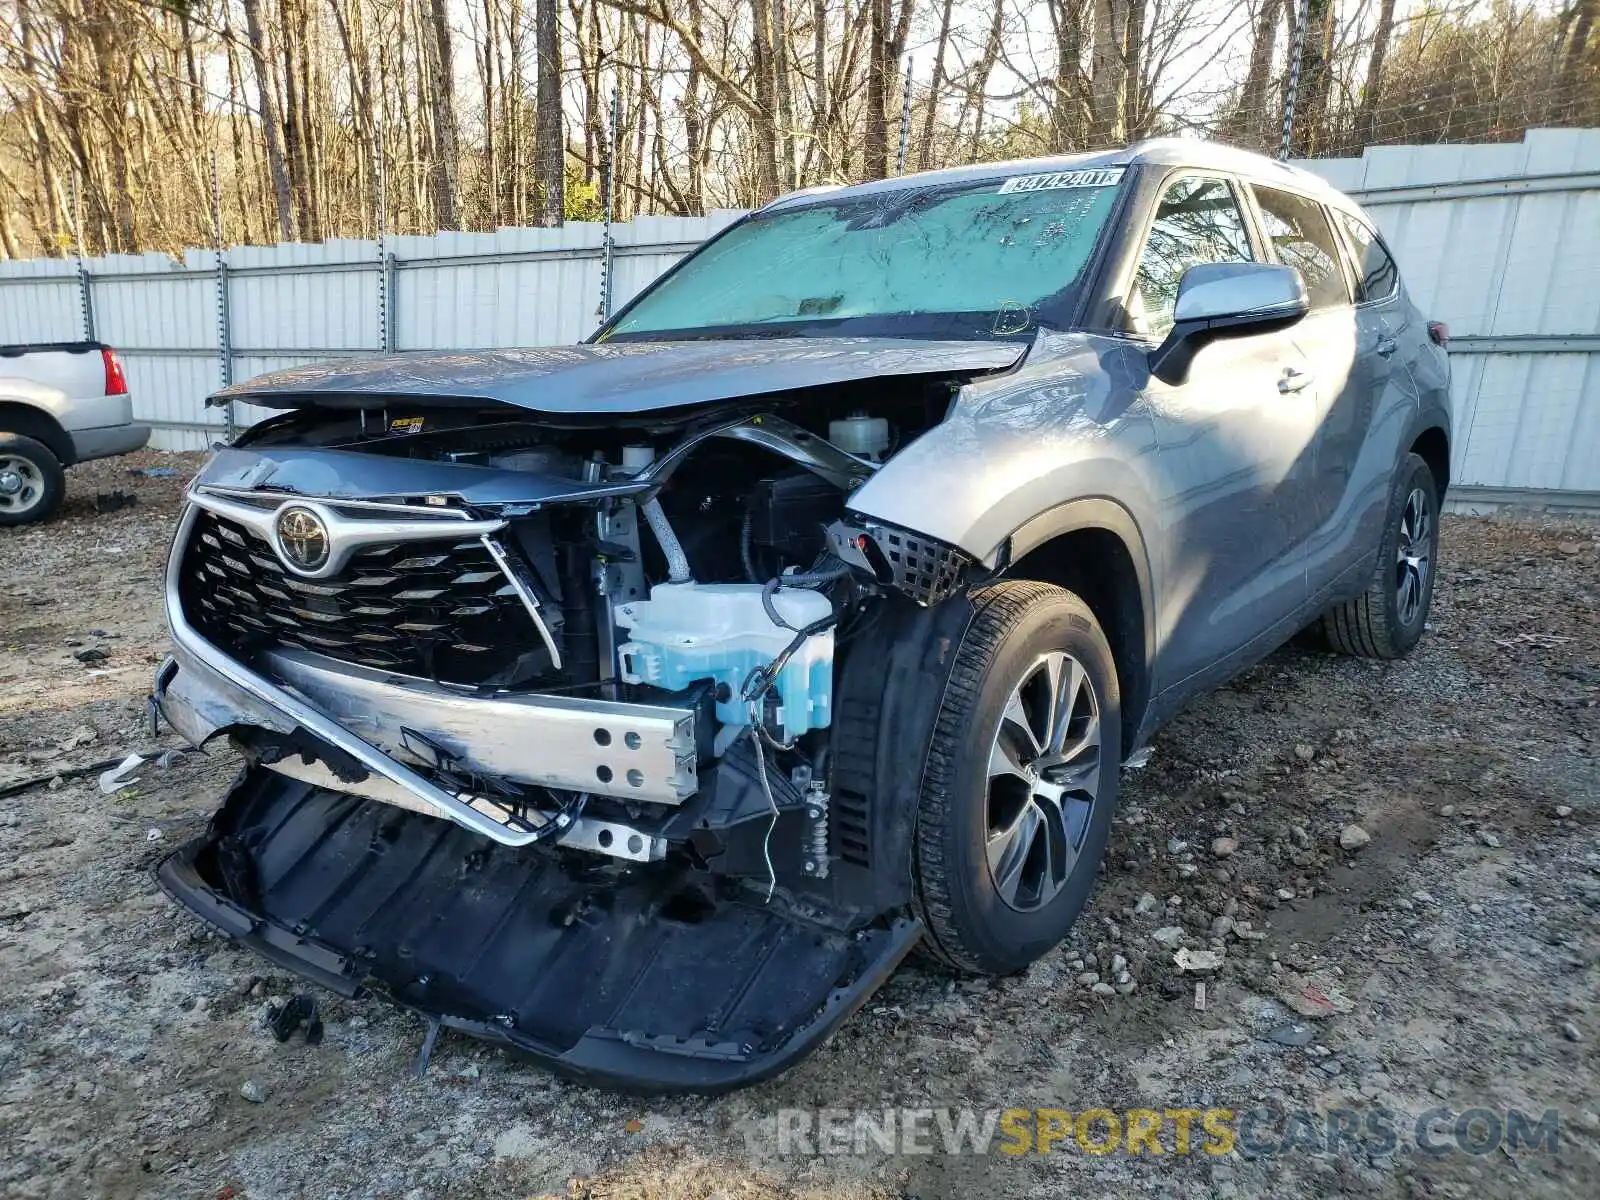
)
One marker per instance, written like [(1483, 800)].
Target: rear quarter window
[(1377, 276)]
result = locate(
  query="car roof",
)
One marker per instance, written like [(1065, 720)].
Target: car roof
[(1163, 152)]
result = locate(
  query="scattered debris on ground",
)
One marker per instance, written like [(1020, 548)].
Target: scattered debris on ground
[(1336, 884)]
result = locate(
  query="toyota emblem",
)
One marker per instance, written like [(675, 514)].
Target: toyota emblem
[(302, 539)]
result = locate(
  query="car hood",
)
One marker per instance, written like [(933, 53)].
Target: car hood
[(621, 377)]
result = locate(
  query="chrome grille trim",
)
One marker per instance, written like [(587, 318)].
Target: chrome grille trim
[(435, 596), (346, 535)]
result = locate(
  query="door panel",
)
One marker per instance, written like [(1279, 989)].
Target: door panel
[(1363, 428), (1236, 466), (1342, 400)]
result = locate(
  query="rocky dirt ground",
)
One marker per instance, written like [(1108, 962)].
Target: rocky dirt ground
[(1454, 933)]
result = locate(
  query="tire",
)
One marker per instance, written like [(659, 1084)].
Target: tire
[(1387, 619), (989, 905), (32, 483)]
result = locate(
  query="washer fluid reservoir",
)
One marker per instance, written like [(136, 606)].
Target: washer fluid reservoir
[(721, 631)]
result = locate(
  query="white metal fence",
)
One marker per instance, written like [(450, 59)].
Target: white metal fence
[(183, 329), (1502, 242)]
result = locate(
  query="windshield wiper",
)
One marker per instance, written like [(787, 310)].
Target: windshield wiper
[(716, 333)]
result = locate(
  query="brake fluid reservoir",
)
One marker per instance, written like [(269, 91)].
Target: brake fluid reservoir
[(721, 631)]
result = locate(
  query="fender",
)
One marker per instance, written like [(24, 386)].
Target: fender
[(1067, 423), (1109, 515), (1431, 414), (1434, 408), (31, 409)]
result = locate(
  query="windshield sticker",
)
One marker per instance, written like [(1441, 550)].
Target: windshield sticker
[(1098, 177)]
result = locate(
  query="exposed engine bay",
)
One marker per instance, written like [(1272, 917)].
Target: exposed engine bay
[(647, 651)]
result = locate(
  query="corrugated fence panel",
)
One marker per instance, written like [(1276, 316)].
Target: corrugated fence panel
[(169, 390), (1582, 471), (1552, 277), (1495, 258), (40, 303), (318, 297), (171, 314), (515, 287), (1547, 442)]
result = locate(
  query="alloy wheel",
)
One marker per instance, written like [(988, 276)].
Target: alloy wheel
[(1044, 776), (1413, 551)]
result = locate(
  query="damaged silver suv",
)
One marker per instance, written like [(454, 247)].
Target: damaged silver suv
[(641, 704)]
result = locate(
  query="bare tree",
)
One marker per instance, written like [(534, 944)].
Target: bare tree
[(270, 126), (1578, 52), (1247, 122), (1109, 73), (441, 82), (124, 104), (876, 140), (1366, 122), (549, 154), (935, 85), (765, 116), (1312, 89)]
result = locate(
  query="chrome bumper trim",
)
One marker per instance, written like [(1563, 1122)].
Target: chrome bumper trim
[(530, 602)]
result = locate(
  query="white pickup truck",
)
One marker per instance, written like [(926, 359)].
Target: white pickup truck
[(60, 403)]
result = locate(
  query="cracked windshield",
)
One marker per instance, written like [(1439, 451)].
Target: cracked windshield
[(991, 260)]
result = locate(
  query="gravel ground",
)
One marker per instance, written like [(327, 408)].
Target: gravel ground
[(1410, 845)]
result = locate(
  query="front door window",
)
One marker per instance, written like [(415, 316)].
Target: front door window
[(1197, 221)]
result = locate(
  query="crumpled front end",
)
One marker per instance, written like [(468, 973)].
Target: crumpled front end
[(551, 732)]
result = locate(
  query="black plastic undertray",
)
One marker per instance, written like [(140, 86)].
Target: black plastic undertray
[(651, 982)]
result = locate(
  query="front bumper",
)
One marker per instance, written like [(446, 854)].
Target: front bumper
[(651, 980), (639, 752), (366, 721), (541, 740)]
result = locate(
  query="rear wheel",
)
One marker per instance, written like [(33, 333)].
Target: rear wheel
[(32, 483), (1020, 782), (1387, 619)]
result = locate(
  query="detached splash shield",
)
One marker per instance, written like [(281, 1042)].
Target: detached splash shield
[(646, 981)]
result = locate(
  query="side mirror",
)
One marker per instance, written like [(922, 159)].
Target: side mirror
[(1218, 300)]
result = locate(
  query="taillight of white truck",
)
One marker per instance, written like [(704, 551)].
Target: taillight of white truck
[(116, 378)]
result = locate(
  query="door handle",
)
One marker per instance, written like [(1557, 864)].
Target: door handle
[(1295, 381), (1387, 346)]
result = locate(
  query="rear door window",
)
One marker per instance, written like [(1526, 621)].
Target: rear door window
[(1378, 276), (1197, 221), (1300, 236)]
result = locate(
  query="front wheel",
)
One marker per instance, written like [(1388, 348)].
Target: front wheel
[(1021, 779), (1387, 619)]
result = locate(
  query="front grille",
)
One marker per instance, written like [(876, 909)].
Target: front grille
[(437, 609)]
